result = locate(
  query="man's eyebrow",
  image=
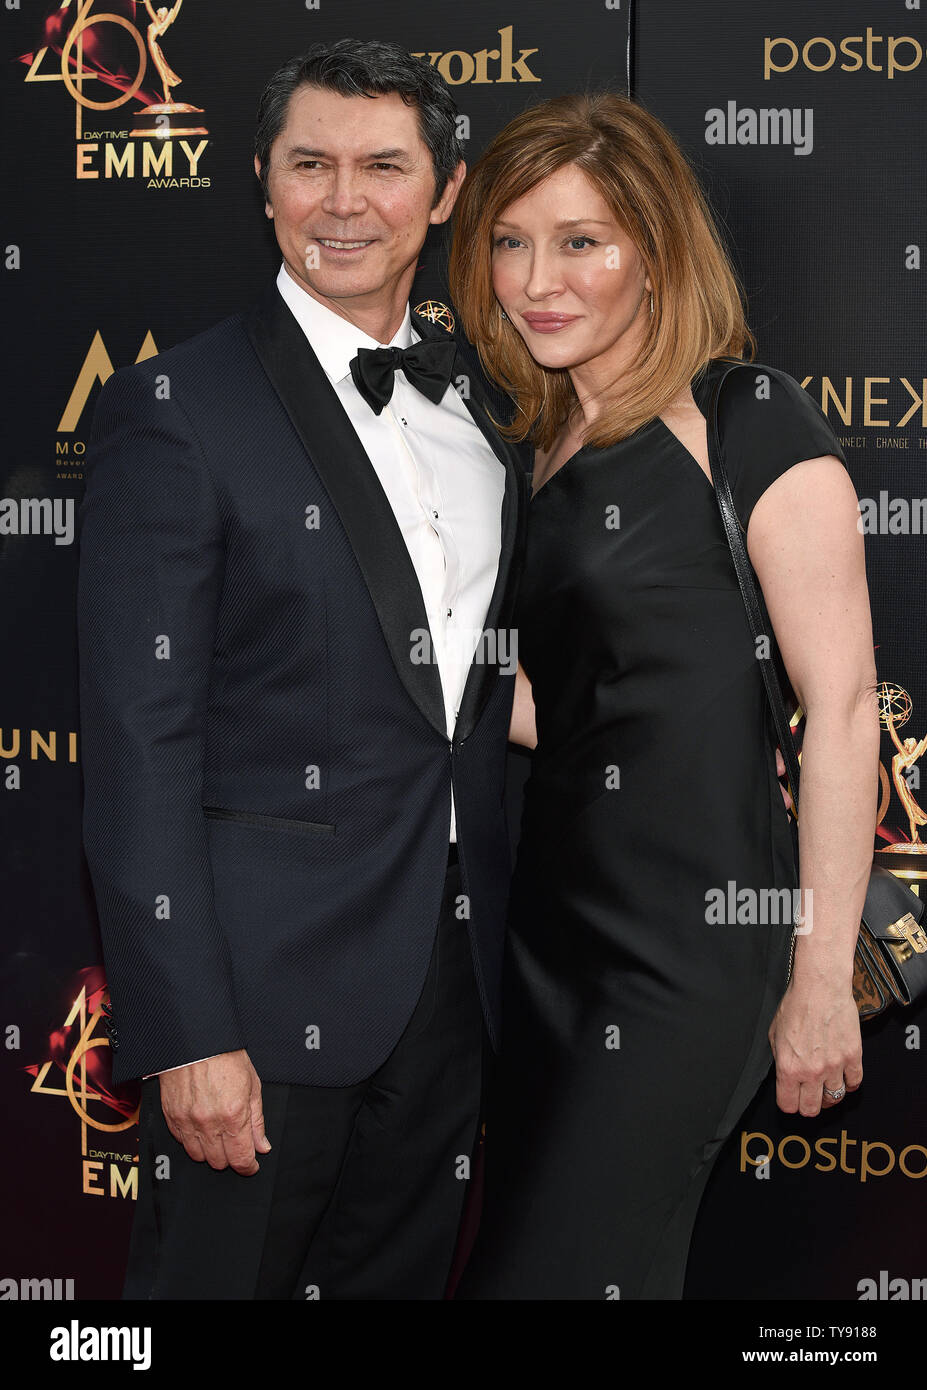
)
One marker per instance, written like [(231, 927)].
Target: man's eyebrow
[(397, 153)]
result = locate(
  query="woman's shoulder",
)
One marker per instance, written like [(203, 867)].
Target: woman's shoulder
[(761, 395), (767, 422)]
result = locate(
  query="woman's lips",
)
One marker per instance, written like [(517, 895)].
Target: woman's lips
[(549, 323)]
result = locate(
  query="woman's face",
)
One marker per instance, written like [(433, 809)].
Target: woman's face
[(569, 277)]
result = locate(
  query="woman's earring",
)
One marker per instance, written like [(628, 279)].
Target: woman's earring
[(651, 303), (505, 315)]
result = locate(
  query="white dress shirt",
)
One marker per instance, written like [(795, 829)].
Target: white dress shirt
[(442, 480)]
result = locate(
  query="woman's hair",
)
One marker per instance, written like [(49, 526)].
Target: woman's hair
[(641, 173)]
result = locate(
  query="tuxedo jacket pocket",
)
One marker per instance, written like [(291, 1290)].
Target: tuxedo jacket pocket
[(268, 822)]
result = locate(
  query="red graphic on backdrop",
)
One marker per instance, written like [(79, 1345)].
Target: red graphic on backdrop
[(79, 1053), (103, 45)]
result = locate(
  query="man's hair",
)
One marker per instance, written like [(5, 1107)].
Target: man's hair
[(365, 67)]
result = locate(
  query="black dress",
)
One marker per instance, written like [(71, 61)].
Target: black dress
[(635, 1022)]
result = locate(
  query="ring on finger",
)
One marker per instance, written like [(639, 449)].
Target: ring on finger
[(838, 1094)]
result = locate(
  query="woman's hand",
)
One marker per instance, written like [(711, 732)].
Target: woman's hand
[(780, 772), (815, 1039), (521, 728)]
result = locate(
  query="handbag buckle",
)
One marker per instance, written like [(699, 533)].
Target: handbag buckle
[(909, 938)]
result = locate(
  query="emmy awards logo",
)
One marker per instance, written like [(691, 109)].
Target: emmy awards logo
[(436, 312), (90, 49), (895, 710), (78, 1055), (165, 118)]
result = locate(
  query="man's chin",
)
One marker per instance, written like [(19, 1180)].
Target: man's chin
[(345, 286)]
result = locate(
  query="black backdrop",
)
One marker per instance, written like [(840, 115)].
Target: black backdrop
[(828, 234)]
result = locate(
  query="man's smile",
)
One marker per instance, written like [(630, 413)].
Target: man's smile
[(334, 244)]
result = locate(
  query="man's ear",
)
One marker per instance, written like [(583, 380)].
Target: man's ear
[(257, 169), (445, 205)]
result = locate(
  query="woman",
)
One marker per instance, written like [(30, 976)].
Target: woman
[(637, 1026)]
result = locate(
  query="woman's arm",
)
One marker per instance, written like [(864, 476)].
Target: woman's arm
[(807, 550), (521, 728)]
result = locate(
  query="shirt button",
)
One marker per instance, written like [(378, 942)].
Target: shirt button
[(434, 514)]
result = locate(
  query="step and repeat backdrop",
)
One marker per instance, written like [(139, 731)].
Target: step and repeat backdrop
[(809, 137)]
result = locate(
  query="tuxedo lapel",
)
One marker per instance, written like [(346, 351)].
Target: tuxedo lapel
[(357, 495), (355, 490)]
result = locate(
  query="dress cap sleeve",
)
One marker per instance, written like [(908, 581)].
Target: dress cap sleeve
[(767, 423)]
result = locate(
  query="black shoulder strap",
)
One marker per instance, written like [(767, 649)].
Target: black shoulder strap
[(757, 616)]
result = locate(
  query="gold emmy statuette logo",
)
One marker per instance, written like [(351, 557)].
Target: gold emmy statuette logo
[(895, 709), (436, 312), (162, 116)]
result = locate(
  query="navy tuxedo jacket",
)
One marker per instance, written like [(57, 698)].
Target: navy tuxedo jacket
[(266, 766)]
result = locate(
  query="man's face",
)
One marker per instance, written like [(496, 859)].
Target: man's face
[(351, 184)]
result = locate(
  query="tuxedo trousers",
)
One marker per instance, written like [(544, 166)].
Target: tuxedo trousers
[(361, 1194)]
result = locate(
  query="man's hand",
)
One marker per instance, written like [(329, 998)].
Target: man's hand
[(214, 1109)]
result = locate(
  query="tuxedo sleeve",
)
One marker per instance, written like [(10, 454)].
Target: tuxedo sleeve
[(177, 1068), (151, 569)]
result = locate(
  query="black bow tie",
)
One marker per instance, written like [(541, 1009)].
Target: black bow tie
[(427, 364)]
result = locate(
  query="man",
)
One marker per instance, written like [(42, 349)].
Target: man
[(293, 740)]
